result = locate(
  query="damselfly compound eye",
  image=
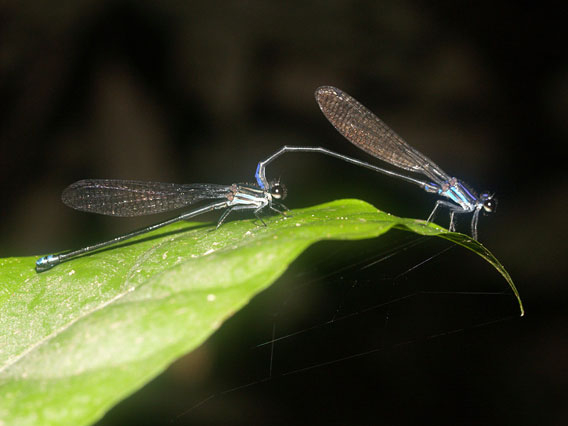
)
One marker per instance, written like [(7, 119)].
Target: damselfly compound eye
[(278, 191), (489, 203)]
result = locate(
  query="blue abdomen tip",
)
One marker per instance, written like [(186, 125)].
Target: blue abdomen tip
[(44, 259)]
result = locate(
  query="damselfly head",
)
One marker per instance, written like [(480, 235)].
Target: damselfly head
[(278, 191), (489, 202)]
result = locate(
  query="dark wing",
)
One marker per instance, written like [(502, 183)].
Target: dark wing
[(136, 198), (368, 132)]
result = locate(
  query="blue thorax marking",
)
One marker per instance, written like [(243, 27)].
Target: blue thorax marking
[(257, 176), (432, 187), (455, 195), (459, 194), (464, 189)]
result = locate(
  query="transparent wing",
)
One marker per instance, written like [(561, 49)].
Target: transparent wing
[(136, 198), (366, 131)]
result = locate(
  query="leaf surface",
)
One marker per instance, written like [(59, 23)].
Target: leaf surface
[(77, 339)]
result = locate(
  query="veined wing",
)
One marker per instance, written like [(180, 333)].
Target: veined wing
[(128, 198), (368, 132)]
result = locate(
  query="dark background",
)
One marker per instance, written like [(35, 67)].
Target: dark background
[(188, 91)]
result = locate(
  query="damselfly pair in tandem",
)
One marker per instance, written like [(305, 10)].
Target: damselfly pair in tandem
[(353, 120)]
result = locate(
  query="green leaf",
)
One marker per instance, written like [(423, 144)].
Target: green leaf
[(80, 337)]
